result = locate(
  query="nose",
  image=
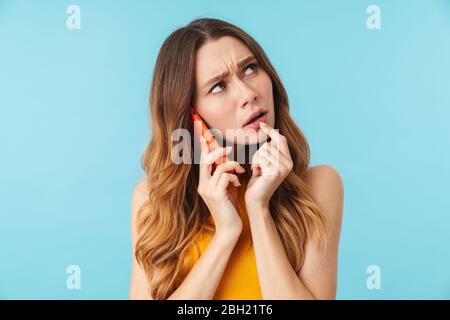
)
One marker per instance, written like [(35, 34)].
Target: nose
[(246, 95)]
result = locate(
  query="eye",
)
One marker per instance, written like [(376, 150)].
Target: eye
[(221, 83), (252, 66)]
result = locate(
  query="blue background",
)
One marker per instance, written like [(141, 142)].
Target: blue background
[(375, 104)]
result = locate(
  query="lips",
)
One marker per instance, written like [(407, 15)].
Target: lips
[(255, 117), (255, 124)]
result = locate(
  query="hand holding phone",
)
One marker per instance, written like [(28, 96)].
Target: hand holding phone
[(203, 131)]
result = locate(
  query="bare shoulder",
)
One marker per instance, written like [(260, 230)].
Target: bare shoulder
[(319, 272), (327, 188), (140, 195), (141, 187), (323, 174)]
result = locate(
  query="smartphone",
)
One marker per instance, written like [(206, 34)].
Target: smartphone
[(201, 129)]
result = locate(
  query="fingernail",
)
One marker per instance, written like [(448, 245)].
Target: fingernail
[(202, 139)]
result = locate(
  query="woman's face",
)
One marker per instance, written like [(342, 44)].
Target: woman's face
[(230, 87)]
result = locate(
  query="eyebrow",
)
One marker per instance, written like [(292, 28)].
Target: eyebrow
[(240, 64)]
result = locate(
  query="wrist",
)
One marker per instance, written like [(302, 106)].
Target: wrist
[(228, 236), (258, 212), (258, 206)]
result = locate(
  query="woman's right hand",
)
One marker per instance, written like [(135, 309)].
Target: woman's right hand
[(214, 189)]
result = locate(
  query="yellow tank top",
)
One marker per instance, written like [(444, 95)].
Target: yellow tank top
[(240, 277)]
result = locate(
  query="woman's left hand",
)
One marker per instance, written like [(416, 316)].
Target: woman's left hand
[(270, 166)]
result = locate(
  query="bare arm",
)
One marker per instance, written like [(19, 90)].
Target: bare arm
[(202, 281), (138, 285), (317, 278)]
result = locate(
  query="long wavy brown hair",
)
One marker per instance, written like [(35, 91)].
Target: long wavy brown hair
[(174, 213)]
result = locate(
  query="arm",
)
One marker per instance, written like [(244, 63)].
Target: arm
[(202, 281), (317, 278), (138, 285)]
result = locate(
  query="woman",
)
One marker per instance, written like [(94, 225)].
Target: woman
[(267, 228)]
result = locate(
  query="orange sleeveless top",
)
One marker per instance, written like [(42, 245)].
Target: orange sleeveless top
[(240, 277)]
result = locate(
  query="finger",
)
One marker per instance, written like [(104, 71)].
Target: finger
[(277, 160), (226, 178), (216, 154), (264, 160), (278, 140), (221, 168), (254, 160), (208, 158), (205, 168), (233, 165), (238, 167), (268, 168), (271, 132), (258, 164), (256, 170)]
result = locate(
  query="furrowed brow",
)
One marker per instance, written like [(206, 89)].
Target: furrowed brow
[(226, 73)]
